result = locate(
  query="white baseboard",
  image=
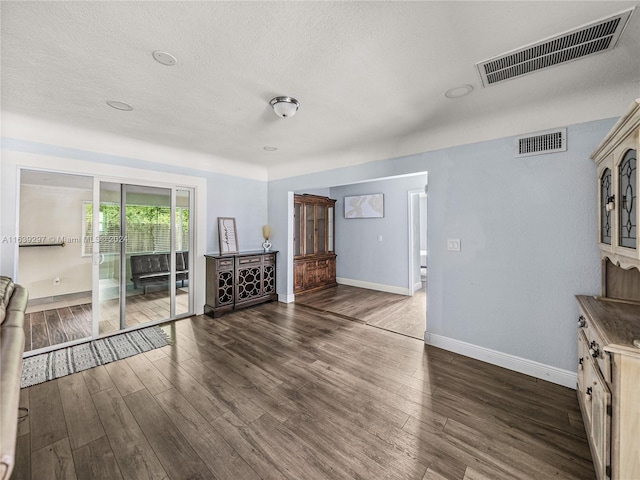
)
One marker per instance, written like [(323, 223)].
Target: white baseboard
[(417, 286), (373, 286), (286, 298), (511, 362)]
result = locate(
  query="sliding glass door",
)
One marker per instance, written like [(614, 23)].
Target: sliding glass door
[(101, 256), (141, 260)]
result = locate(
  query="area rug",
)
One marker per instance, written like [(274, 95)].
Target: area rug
[(65, 361)]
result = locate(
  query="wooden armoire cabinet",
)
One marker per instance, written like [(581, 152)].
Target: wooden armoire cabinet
[(314, 260)]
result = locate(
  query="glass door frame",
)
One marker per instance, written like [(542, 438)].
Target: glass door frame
[(196, 187), (97, 258)]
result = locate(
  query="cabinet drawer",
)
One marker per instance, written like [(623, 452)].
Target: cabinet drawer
[(270, 258), (249, 260), (594, 345), (224, 263)]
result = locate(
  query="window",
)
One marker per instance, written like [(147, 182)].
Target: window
[(148, 228)]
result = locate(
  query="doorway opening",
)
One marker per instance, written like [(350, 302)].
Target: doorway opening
[(381, 261)]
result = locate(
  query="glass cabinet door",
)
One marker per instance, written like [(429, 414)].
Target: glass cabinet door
[(605, 211), (322, 228), (310, 230), (627, 220), (330, 229), (297, 229)]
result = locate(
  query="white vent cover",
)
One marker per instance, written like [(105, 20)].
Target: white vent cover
[(572, 45), (549, 141)]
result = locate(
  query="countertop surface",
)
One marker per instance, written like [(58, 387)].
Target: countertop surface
[(617, 322)]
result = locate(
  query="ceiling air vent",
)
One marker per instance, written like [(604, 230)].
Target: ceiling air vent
[(549, 141), (578, 43)]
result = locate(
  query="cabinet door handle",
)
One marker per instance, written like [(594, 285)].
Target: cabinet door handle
[(581, 321)]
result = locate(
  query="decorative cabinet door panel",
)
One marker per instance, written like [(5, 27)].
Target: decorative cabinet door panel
[(600, 421), (583, 364), (606, 203), (249, 283), (618, 180), (269, 275), (224, 287), (628, 202), (298, 276)]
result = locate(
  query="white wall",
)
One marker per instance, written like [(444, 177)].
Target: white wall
[(416, 225), (53, 212)]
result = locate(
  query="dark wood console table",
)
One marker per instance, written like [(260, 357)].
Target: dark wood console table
[(239, 280)]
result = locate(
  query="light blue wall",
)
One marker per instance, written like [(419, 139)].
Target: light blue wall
[(227, 196), (528, 233), (323, 192), (527, 227), (241, 198), (360, 255)]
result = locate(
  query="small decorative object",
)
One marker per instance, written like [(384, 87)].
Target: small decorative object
[(364, 206), (266, 233), (227, 235)]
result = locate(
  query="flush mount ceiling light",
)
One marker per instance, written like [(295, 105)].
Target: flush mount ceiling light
[(285, 106), (270, 149), (457, 92), (119, 105), (165, 58)]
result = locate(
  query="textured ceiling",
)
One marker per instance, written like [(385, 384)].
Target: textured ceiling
[(370, 76)]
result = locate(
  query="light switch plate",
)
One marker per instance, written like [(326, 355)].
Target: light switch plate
[(453, 244)]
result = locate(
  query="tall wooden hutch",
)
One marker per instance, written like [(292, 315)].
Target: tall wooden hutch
[(314, 260), (609, 325)]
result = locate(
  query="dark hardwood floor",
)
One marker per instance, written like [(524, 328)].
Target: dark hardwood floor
[(286, 392), (396, 313), (48, 325)]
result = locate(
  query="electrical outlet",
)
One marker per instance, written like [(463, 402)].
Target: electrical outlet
[(56, 281), (453, 245)]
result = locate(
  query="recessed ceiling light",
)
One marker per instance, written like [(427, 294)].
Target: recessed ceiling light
[(457, 92), (165, 58), (119, 105), (270, 149)]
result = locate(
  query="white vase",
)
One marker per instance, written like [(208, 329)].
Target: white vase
[(266, 245)]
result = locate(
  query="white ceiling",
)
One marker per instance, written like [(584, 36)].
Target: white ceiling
[(370, 76)]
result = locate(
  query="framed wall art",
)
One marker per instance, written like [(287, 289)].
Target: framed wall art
[(227, 235), (364, 206)]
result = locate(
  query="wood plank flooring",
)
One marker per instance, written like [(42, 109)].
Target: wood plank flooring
[(50, 325), (286, 392), (396, 313)]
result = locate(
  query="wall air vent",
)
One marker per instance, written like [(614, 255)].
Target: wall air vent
[(549, 141), (578, 43)]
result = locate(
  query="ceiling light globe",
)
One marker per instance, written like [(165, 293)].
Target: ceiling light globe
[(284, 106)]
